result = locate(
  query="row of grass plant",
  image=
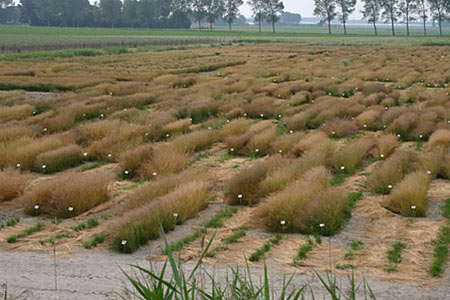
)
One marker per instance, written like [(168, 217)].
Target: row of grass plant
[(10, 222), (258, 254), (29, 231)]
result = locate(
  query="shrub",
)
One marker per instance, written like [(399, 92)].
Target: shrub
[(58, 160), (79, 191), (385, 145), (305, 204), (391, 172), (350, 157), (409, 197), (138, 226), (245, 183), (12, 184), (368, 119), (340, 128)]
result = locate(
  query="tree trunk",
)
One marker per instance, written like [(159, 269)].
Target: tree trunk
[(273, 25), (392, 25), (199, 24), (375, 28), (345, 28), (407, 23), (329, 26), (229, 24), (210, 26), (440, 25), (424, 27), (259, 22)]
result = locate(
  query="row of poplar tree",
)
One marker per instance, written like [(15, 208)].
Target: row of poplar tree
[(389, 11), (180, 13)]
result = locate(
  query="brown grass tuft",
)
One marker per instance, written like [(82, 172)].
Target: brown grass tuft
[(79, 191), (12, 184), (409, 197), (339, 128)]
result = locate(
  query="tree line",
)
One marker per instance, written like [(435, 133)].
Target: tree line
[(181, 13), (388, 11)]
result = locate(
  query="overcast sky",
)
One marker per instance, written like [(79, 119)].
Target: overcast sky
[(304, 7)]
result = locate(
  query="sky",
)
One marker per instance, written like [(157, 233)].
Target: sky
[(304, 7)]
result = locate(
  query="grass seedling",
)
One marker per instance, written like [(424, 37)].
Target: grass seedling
[(446, 209), (52, 239), (354, 246), (338, 179), (236, 236), (9, 223), (93, 166), (394, 256), (256, 256), (96, 239), (441, 251), (14, 238), (89, 224), (178, 245), (217, 220)]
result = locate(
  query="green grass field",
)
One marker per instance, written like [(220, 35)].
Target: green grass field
[(29, 37)]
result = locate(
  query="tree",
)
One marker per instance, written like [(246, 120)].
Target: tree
[(231, 10), (438, 10), (273, 10), (5, 3), (327, 10), (28, 14), (111, 11), (390, 12), (258, 11), (214, 9), (346, 7), (290, 19), (371, 12), (422, 8), (198, 11), (407, 8), (130, 12)]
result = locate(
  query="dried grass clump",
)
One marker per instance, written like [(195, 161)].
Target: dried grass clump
[(237, 143), (445, 168), (92, 132), (264, 106), (151, 190), (25, 150), (310, 141), (339, 128), (390, 172), (404, 124), (58, 160), (165, 160), (431, 162), (12, 183), (79, 191), (284, 143), (179, 126), (17, 112), (385, 146), (140, 225), (120, 140), (235, 127), (305, 204), (9, 132), (299, 121), (132, 160), (195, 141), (259, 144), (409, 197), (279, 178), (368, 119), (350, 157), (440, 137), (246, 182)]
